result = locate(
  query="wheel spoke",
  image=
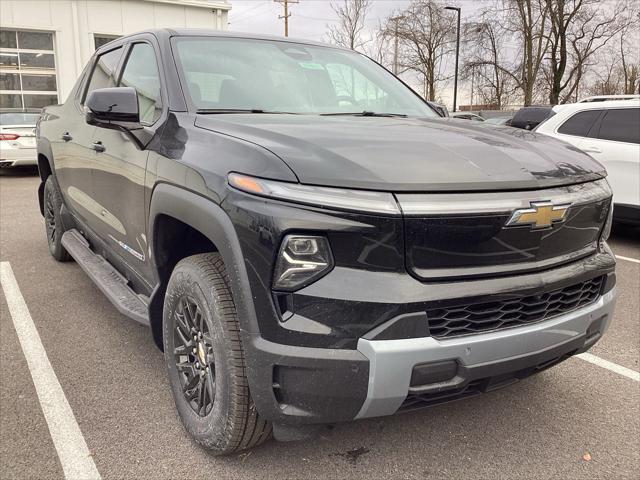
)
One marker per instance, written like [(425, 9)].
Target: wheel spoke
[(182, 324), (193, 381), (183, 349), (189, 313), (186, 341), (201, 394), (210, 386), (199, 320), (185, 364)]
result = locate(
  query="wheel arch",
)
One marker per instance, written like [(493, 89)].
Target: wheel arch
[(45, 168), (170, 203)]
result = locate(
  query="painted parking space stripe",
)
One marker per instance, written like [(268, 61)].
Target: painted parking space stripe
[(628, 259), (67, 438), (614, 367)]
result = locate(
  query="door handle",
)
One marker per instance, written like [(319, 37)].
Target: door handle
[(98, 146), (66, 136), (592, 149)]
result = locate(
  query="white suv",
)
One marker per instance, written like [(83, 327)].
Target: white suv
[(609, 131)]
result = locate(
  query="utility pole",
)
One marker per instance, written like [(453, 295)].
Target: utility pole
[(455, 81), (395, 44), (285, 4)]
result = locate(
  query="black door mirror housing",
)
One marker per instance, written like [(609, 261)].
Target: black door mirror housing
[(115, 108)]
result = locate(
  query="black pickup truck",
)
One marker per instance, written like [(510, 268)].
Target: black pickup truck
[(309, 241)]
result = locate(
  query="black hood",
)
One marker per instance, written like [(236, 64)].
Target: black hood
[(410, 154)]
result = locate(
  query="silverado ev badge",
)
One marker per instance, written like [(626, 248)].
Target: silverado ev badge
[(540, 215)]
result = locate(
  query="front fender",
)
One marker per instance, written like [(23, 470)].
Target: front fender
[(212, 221)]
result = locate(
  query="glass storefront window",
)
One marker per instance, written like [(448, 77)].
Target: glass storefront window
[(100, 40), (8, 39), (37, 61), (9, 81), (39, 101), (27, 69), (45, 83), (8, 60), (11, 100), (35, 40)]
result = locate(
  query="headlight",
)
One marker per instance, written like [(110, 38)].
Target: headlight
[(339, 198), (301, 260), (606, 230)]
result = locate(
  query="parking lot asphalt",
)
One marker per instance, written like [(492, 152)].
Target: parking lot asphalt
[(576, 420)]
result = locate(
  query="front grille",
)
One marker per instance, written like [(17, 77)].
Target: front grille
[(513, 312)]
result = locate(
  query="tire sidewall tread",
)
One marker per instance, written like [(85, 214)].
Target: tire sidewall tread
[(234, 423)]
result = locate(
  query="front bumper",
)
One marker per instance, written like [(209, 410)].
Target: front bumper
[(299, 385), (496, 357)]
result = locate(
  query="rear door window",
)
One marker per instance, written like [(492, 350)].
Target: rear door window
[(580, 123), (621, 125), (103, 75)]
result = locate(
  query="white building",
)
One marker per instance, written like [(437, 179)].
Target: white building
[(45, 44)]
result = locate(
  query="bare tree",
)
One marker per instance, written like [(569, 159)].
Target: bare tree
[(484, 61), (607, 78), (630, 45), (579, 28), (425, 33), (347, 32), (380, 48), (523, 24)]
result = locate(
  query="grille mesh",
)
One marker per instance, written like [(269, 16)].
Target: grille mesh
[(482, 317)]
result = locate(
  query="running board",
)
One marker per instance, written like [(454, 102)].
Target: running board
[(106, 277)]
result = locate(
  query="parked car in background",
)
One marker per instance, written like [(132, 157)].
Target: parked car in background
[(529, 118), (499, 120), (609, 131), (467, 116), (18, 138), (606, 98)]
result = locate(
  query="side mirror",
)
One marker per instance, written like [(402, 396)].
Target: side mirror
[(114, 108)]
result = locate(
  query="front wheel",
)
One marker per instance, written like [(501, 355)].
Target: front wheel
[(205, 358), (53, 220)]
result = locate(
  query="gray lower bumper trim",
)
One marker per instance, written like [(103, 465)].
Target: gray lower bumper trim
[(391, 361)]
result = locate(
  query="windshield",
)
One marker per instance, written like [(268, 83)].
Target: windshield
[(264, 75), (18, 118)]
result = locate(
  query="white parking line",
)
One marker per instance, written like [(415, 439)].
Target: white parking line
[(66, 435), (628, 259), (614, 367)]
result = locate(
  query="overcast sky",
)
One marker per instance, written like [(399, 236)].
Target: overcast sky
[(309, 20)]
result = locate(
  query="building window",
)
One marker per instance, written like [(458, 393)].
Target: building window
[(27, 70), (100, 39)]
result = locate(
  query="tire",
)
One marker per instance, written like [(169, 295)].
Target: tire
[(222, 417), (53, 220)]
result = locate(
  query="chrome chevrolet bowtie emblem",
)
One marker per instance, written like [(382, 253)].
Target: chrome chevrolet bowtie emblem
[(540, 215)]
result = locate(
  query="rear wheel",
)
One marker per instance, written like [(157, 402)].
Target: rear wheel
[(205, 358), (53, 220)]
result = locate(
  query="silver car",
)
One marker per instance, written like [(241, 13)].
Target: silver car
[(18, 138)]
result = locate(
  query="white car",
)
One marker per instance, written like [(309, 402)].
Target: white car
[(609, 131), (18, 138)]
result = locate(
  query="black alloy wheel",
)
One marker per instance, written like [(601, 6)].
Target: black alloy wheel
[(54, 228), (49, 217), (194, 356)]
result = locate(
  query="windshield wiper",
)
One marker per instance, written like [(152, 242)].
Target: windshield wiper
[(210, 111), (365, 114)]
